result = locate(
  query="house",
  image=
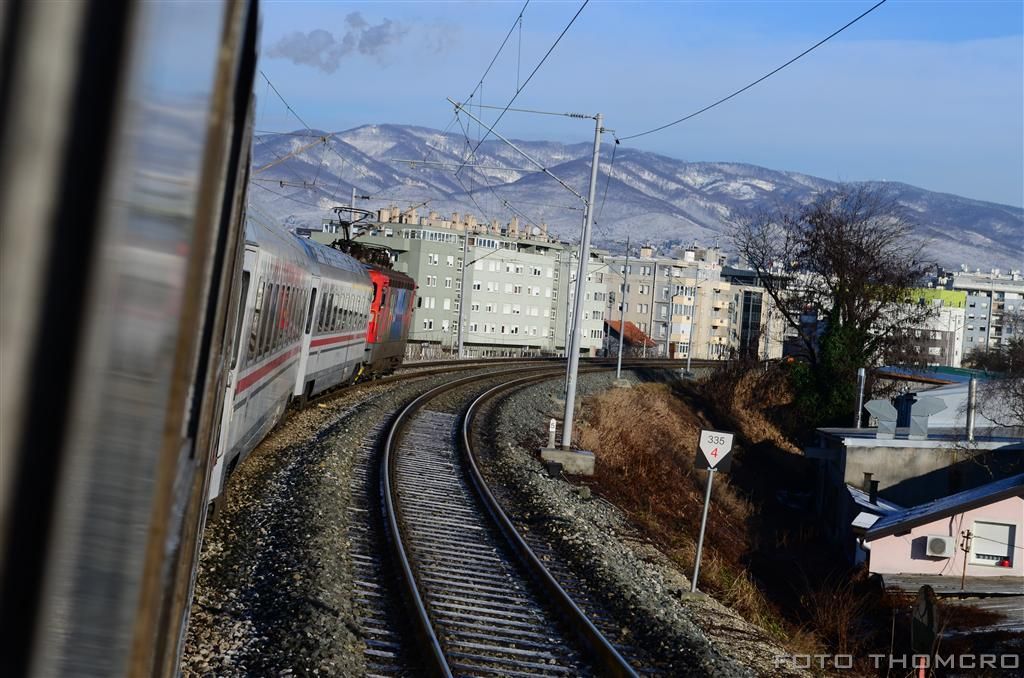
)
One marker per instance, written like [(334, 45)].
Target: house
[(634, 342), (929, 539)]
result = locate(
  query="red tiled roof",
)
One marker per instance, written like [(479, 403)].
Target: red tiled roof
[(634, 336)]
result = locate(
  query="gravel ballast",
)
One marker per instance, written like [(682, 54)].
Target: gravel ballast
[(642, 587), (274, 591)]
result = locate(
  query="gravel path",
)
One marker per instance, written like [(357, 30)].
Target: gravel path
[(641, 586)]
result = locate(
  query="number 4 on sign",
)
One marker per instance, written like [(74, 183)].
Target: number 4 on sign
[(715, 450)]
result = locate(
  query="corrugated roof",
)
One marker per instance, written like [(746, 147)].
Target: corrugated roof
[(863, 500), (634, 336), (955, 503)]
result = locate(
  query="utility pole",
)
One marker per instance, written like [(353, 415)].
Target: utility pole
[(622, 311), (693, 312), (581, 282), (654, 294), (462, 293)]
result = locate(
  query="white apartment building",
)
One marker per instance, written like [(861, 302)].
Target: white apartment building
[(694, 301), (518, 284), (995, 306)]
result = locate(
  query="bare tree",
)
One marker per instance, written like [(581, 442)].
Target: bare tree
[(846, 262), (849, 257)]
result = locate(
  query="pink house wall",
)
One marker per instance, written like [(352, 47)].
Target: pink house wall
[(900, 554)]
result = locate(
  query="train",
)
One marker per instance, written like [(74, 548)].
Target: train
[(154, 327), (311, 319)]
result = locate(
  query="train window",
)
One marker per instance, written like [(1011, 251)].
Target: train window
[(323, 312), (286, 314), (254, 326), (237, 342), (312, 308), (298, 313), (268, 326)]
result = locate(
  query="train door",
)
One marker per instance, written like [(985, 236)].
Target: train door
[(303, 389), (239, 353)]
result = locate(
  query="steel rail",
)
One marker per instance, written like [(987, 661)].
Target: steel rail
[(421, 622), (610, 661), (423, 627)]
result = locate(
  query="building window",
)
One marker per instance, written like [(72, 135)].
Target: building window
[(447, 303), (428, 324), (992, 543), (450, 261), (447, 283), (476, 285), (517, 289), (475, 306), (432, 259)]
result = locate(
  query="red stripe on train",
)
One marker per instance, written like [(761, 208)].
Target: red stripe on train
[(254, 376), (332, 340)]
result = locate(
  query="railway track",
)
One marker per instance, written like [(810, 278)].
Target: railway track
[(482, 601)]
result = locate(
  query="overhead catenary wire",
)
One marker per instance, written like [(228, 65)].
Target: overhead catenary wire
[(504, 202), (607, 181), (759, 80), (480, 82), (526, 82)]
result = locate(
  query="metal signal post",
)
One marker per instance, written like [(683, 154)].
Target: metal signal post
[(714, 454)]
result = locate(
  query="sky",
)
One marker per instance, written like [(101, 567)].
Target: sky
[(930, 93)]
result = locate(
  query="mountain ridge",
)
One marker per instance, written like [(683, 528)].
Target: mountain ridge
[(652, 197)]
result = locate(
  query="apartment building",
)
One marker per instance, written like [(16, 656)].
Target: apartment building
[(649, 288), (939, 340), (519, 284), (994, 307), (695, 301)]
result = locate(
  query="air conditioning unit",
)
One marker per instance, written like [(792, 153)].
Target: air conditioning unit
[(940, 546)]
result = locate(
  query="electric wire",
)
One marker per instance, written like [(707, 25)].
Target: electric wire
[(533, 73), (504, 202), (608, 180), (759, 80)]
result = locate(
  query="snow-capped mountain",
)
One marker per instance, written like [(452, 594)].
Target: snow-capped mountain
[(649, 196)]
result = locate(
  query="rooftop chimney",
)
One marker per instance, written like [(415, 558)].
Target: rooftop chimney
[(867, 481), (873, 492)]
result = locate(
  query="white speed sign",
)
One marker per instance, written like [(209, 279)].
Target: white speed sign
[(715, 450)]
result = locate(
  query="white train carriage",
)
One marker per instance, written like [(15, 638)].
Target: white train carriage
[(334, 341), (302, 331)]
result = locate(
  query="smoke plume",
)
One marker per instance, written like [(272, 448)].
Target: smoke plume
[(320, 48)]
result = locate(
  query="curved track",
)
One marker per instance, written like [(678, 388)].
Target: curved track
[(481, 601)]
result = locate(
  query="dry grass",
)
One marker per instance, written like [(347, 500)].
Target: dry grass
[(646, 440), (754, 402)]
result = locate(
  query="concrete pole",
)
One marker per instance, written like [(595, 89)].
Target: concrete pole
[(972, 405), (654, 294), (693, 312), (581, 282), (622, 311), (462, 294), (861, 378), (353, 205)]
